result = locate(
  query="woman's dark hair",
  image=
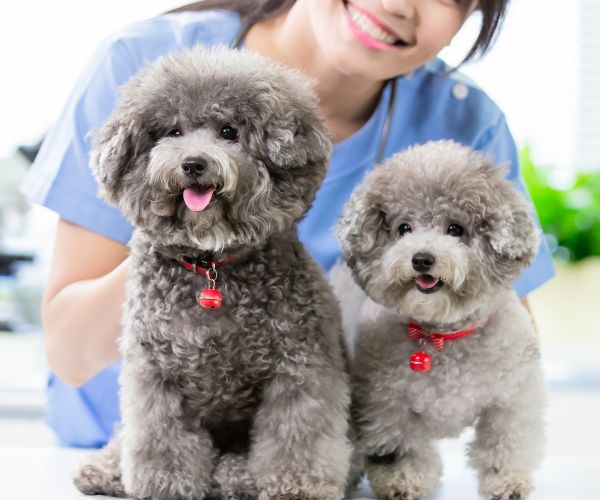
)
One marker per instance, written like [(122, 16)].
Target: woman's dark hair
[(251, 11)]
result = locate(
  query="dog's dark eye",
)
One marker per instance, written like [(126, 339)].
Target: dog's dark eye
[(404, 228), (229, 133), (174, 132), (455, 230)]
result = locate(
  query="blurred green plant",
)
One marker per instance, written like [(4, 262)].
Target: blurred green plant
[(569, 215)]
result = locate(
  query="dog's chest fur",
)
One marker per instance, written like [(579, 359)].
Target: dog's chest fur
[(220, 359), (468, 376)]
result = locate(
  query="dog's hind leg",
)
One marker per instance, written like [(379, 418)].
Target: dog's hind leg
[(232, 479), (101, 475)]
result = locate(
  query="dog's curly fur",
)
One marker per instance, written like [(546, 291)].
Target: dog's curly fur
[(249, 400), (491, 379)]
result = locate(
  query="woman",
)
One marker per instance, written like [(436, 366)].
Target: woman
[(381, 89)]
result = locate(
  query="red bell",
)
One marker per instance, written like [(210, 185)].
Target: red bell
[(210, 298), (420, 362)]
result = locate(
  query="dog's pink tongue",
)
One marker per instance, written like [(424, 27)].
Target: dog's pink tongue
[(196, 198), (427, 281)]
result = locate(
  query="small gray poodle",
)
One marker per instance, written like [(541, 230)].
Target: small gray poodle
[(435, 237), (234, 381)]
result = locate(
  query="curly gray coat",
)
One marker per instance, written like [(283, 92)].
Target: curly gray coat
[(249, 400), (435, 237)]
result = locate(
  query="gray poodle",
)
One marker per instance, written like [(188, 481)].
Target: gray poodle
[(435, 237), (234, 379)]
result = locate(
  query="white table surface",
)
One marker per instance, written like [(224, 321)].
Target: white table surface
[(33, 468), (44, 473)]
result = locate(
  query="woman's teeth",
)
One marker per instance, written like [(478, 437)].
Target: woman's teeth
[(365, 24)]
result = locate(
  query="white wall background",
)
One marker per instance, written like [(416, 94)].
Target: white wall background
[(44, 46), (534, 71), (534, 74), (588, 129)]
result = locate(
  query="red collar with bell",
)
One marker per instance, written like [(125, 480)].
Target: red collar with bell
[(210, 297), (421, 361)]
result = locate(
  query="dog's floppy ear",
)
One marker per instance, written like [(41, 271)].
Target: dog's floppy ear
[(288, 129), (115, 147), (512, 232), (297, 140), (361, 228)]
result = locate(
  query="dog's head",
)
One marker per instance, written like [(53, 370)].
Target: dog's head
[(212, 149), (436, 231)]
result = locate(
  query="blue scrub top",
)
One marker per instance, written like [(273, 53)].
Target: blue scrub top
[(430, 104)]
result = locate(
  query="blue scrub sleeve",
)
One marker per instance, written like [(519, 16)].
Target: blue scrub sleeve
[(84, 416), (499, 143)]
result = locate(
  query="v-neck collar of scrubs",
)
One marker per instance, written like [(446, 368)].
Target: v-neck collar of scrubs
[(362, 147), (351, 153)]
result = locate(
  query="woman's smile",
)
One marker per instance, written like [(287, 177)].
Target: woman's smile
[(371, 31)]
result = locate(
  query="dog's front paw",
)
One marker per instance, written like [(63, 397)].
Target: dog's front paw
[(165, 485), (233, 480), (299, 486), (92, 479), (394, 485), (264, 495), (403, 492), (505, 486), (409, 478)]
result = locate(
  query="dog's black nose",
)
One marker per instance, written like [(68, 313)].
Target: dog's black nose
[(421, 262), (193, 166)]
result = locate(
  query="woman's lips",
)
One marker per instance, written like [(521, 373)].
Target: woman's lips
[(370, 31), (379, 24)]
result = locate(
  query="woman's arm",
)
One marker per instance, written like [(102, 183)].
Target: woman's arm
[(525, 302), (82, 302)]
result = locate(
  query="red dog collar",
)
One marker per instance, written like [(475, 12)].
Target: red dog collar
[(208, 298), (421, 361), (201, 266), (417, 332)]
